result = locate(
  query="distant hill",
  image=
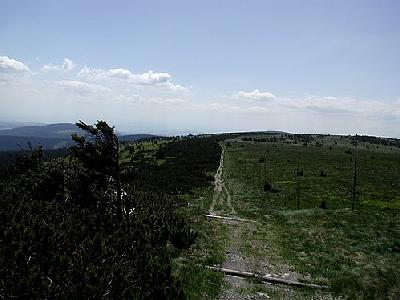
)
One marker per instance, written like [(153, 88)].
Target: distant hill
[(52, 136), (60, 130), (9, 125)]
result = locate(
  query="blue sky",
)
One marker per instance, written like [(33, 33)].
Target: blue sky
[(301, 66)]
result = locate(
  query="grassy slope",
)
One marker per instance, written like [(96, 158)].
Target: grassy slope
[(189, 265), (358, 252), (199, 282)]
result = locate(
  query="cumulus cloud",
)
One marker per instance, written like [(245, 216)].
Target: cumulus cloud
[(340, 105), (122, 93), (323, 105), (150, 78), (81, 87), (319, 104), (113, 85), (254, 95), (9, 65), (67, 65)]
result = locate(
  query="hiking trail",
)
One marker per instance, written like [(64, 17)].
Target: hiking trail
[(239, 261)]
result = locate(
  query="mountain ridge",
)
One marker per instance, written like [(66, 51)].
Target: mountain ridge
[(51, 136)]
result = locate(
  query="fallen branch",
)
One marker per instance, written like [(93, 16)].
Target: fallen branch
[(267, 278), (229, 218)]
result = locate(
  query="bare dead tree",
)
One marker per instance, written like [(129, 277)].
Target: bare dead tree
[(265, 169), (355, 176), (298, 185)]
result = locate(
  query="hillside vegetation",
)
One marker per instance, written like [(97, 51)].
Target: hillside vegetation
[(300, 189), (111, 219), (82, 226)]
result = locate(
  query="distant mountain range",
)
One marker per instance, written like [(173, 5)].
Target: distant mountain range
[(52, 136), (9, 125)]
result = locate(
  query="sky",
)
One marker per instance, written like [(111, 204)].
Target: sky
[(172, 67)]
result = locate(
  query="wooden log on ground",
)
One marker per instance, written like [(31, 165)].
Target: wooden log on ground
[(229, 218), (268, 279)]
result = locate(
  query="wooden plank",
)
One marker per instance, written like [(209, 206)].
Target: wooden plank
[(229, 218), (265, 278)]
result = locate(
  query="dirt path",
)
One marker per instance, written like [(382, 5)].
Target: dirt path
[(241, 237), (222, 201), (222, 206)]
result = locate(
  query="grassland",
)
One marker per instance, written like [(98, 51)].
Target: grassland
[(198, 282), (356, 252), (377, 180)]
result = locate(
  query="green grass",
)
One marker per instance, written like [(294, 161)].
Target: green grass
[(189, 265), (258, 288), (198, 282), (147, 148), (356, 252), (378, 180)]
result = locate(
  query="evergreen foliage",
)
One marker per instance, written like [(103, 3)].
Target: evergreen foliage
[(70, 229)]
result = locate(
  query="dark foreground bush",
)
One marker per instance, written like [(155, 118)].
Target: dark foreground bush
[(66, 232)]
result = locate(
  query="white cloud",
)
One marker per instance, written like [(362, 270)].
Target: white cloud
[(322, 105), (340, 105), (9, 65), (66, 66), (319, 104), (81, 87), (258, 109), (166, 101), (111, 85), (155, 97), (150, 78), (254, 95), (150, 100), (228, 108), (219, 107)]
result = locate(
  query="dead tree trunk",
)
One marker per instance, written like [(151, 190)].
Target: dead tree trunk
[(265, 278), (298, 186), (355, 176)]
